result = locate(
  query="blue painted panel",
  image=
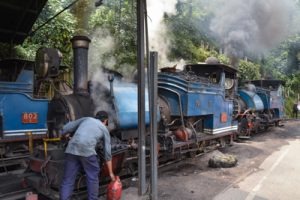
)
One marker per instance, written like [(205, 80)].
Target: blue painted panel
[(23, 84), (26, 76), (16, 87), (12, 105), (277, 103), (213, 121), (251, 99), (197, 98), (126, 102), (265, 99), (199, 104), (179, 84)]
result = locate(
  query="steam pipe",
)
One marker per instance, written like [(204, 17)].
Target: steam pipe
[(111, 84), (80, 45)]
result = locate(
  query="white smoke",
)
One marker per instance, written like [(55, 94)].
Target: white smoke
[(253, 25), (158, 33), (102, 45)]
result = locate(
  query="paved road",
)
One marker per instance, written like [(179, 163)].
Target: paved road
[(278, 178)]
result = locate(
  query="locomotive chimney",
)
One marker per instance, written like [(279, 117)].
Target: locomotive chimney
[(80, 45)]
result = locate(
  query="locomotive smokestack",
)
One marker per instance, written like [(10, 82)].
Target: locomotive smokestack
[(80, 45)]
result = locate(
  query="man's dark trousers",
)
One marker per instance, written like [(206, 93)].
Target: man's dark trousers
[(73, 164)]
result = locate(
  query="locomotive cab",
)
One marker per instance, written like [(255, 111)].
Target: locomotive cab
[(21, 112)]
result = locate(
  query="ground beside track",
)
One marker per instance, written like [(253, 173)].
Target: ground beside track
[(259, 158)]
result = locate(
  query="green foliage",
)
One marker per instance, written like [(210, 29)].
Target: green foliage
[(189, 35), (9, 51), (55, 34), (248, 71), (293, 84), (274, 63), (118, 19), (288, 104)]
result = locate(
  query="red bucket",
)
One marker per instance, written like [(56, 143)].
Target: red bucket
[(31, 196), (114, 190)]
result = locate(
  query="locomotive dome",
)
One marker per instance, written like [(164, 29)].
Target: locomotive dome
[(250, 87), (212, 60)]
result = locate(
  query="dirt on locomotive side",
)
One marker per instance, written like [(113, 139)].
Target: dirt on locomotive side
[(192, 179)]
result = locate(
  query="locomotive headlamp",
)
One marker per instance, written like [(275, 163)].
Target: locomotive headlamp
[(47, 62)]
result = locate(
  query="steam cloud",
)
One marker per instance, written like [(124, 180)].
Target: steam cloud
[(253, 25), (158, 32), (102, 45)]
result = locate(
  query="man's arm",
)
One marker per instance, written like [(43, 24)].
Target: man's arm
[(111, 173), (71, 126), (107, 153)]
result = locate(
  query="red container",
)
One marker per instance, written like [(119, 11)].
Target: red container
[(31, 196), (114, 190)]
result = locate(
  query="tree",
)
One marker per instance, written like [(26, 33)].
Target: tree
[(56, 34), (116, 22)]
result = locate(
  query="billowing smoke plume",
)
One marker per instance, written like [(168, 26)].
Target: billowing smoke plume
[(158, 32), (254, 25)]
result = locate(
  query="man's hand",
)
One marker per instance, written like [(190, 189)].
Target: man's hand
[(66, 136), (112, 177)]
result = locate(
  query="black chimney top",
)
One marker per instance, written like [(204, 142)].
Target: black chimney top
[(80, 45)]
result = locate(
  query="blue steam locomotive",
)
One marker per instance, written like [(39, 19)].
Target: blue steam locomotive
[(262, 105)]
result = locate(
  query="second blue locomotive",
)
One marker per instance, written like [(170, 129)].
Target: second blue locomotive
[(262, 105)]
